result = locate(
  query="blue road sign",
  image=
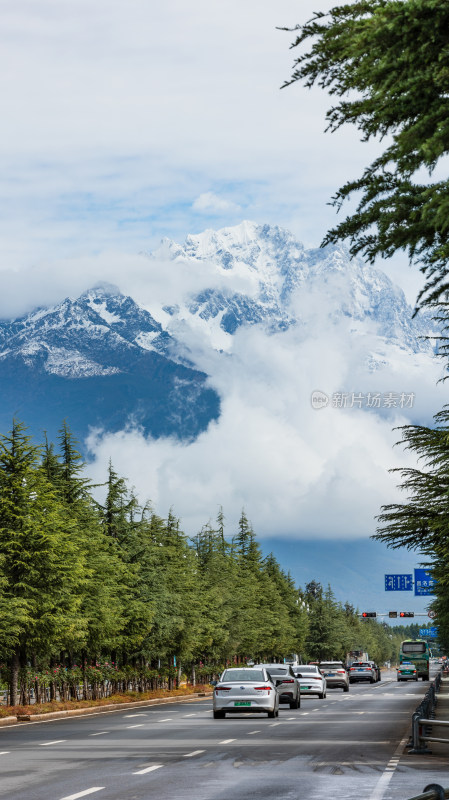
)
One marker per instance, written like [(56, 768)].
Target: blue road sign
[(399, 583), (429, 633), (424, 583)]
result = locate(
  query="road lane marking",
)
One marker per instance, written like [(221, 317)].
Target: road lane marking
[(101, 733), (250, 733), (304, 713), (5, 752), (290, 718), (148, 769), (384, 780), (194, 753), (128, 716), (167, 719), (83, 794), (273, 724), (57, 741), (189, 715), (227, 741), (140, 725)]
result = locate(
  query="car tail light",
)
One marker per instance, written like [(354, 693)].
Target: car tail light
[(223, 689), (263, 688), (288, 680), (353, 669), (341, 671)]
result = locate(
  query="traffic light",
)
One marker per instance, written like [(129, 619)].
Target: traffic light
[(393, 614), (407, 614), (369, 614)]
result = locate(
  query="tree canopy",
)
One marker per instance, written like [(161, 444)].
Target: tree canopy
[(387, 62)]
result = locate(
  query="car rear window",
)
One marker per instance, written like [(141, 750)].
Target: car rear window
[(309, 670), (277, 671), (331, 666), (242, 675)]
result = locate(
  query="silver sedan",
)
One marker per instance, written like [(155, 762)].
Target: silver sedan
[(310, 680), (245, 690)]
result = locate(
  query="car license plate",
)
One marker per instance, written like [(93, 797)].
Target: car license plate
[(304, 688), (242, 703), (331, 674)]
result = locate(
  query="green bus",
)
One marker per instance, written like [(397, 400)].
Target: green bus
[(418, 653)]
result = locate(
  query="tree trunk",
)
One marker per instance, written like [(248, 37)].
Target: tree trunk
[(14, 679)]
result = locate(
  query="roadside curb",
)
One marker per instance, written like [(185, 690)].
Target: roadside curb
[(72, 712)]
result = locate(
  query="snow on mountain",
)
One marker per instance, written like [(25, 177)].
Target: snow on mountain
[(285, 275), (92, 335)]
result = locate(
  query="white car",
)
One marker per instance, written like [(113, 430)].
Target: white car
[(310, 680), (245, 690)]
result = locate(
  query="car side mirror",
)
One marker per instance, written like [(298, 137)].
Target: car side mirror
[(213, 683)]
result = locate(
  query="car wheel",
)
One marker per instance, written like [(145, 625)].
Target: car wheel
[(416, 679), (346, 688), (272, 714), (219, 714), (372, 680), (399, 680), (321, 696), (295, 704)]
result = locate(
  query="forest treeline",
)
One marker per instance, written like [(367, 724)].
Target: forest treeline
[(110, 591)]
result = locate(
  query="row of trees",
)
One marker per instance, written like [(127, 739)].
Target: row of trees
[(84, 582)]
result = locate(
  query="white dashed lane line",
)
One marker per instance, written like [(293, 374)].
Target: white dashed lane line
[(83, 794), (139, 725), (250, 733), (227, 741), (100, 733), (4, 752), (167, 719), (47, 744), (128, 716), (195, 753), (189, 715), (148, 769)]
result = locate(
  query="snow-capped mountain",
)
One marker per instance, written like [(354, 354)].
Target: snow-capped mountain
[(280, 272), (103, 360), (95, 334)]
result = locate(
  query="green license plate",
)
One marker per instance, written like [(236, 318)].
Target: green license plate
[(242, 703), (304, 688)]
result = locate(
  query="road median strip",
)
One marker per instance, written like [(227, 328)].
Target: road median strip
[(75, 712)]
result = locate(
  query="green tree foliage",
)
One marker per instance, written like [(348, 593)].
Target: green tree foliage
[(86, 583), (421, 523), (387, 63)]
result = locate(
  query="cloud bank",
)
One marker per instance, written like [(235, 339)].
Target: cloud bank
[(299, 472)]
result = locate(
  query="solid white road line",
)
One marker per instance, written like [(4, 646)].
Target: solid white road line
[(83, 794), (57, 741), (101, 733), (226, 741), (140, 725), (195, 753), (384, 780), (148, 769)]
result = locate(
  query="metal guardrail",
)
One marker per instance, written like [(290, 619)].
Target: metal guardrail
[(432, 792), (423, 720)]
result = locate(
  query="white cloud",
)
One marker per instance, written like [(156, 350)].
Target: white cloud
[(211, 203), (299, 472)]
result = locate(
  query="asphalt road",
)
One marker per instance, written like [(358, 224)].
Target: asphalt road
[(348, 747)]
